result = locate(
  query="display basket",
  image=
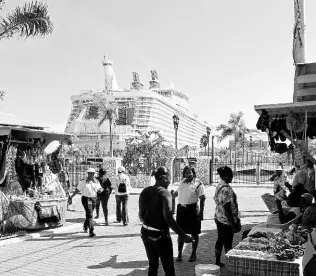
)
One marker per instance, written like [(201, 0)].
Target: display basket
[(284, 226)]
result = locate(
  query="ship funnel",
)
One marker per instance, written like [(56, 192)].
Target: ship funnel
[(109, 76)]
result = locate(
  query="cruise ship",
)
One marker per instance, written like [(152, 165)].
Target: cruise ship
[(140, 109)]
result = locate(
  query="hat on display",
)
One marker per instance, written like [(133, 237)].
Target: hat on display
[(294, 122), (91, 170), (309, 217), (121, 169)]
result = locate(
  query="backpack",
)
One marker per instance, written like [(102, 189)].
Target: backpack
[(122, 186)]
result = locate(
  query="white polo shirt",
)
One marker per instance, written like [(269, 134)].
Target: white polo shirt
[(189, 193), (89, 189)]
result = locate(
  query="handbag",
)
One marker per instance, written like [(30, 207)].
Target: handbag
[(47, 214)]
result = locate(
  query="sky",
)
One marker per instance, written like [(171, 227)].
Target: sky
[(227, 55)]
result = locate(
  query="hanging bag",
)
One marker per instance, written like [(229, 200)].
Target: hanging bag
[(122, 186)]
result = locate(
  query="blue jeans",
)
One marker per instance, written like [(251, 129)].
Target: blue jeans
[(158, 245), (121, 208)]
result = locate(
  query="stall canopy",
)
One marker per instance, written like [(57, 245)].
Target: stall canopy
[(27, 133), (283, 109)]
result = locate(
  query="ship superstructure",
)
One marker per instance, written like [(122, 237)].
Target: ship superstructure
[(140, 109)]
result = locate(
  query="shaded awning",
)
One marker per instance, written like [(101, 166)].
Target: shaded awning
[(27, 133), (283, 109)]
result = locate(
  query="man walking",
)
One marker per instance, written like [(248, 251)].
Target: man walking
[(155, 212), (122, 191), (88, 189)]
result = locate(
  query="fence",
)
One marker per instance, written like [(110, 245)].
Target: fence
[(257, 173)]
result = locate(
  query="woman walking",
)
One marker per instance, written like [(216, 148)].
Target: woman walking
[(226, 213), (122, 191), (89, 189), (103, 197), (189, 213)]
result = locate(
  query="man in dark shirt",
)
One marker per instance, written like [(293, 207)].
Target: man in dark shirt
[(155, 212)]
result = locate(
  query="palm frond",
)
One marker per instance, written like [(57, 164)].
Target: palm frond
[(225, 134), (32, 19)]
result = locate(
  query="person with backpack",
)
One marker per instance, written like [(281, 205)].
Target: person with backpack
[(155, 212), (122, 191), (103, 197), (190, 192), (226, 213)]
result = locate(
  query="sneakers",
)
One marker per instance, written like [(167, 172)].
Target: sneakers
[(85, 229), (92, 234), (106, 223), (117, 221), (96, 217)]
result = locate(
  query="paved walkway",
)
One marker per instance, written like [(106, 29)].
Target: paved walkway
[(116, 250)]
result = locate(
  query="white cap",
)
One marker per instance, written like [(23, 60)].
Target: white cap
[(279, 168), (91, 170)]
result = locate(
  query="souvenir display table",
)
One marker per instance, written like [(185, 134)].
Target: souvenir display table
[(22, 214), (269, 251)]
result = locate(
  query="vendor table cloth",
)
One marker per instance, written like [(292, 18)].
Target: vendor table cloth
[(21, 213), (249, 266)]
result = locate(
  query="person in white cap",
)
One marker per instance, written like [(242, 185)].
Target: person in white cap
[(281, 181), (88, 189), (122, 190)]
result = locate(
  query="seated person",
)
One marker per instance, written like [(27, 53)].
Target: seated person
[(295, 211)]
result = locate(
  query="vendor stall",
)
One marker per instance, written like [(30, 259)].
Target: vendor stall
[(269, 251), (31, 195)]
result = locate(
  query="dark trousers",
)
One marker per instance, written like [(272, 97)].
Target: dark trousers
[(103, 200), (88, 205), (121, 208), (225, 237), (158, 245)]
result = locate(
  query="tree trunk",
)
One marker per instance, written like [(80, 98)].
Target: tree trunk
[(111, 140)]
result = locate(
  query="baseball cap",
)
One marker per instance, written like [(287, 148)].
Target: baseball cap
[(279, 168), (91, 170)]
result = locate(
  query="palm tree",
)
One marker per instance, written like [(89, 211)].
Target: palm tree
[(31, 19), (106, 111), (204, 142), (236, 126)]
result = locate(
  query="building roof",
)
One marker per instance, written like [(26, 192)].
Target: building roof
[(7, 119)]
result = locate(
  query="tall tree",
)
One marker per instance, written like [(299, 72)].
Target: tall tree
[(106, 111), (31, 19), (236, 127), (204, 142)]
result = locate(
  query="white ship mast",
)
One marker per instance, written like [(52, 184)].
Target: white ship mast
[(299, 32)]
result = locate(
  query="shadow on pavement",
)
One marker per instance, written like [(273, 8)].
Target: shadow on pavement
[(205, 255), (112, 262)]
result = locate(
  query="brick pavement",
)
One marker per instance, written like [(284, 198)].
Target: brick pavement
[(117, 250)]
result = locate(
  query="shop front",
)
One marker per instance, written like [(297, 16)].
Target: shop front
[(31, 193)]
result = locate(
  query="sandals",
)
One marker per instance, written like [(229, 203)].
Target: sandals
[(192, 258)]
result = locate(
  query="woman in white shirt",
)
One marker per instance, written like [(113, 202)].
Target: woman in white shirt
[(88, 189), (189, 213), (123, 188)]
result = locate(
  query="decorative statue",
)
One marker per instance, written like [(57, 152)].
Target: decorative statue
[(154, 75), (135, 77)]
